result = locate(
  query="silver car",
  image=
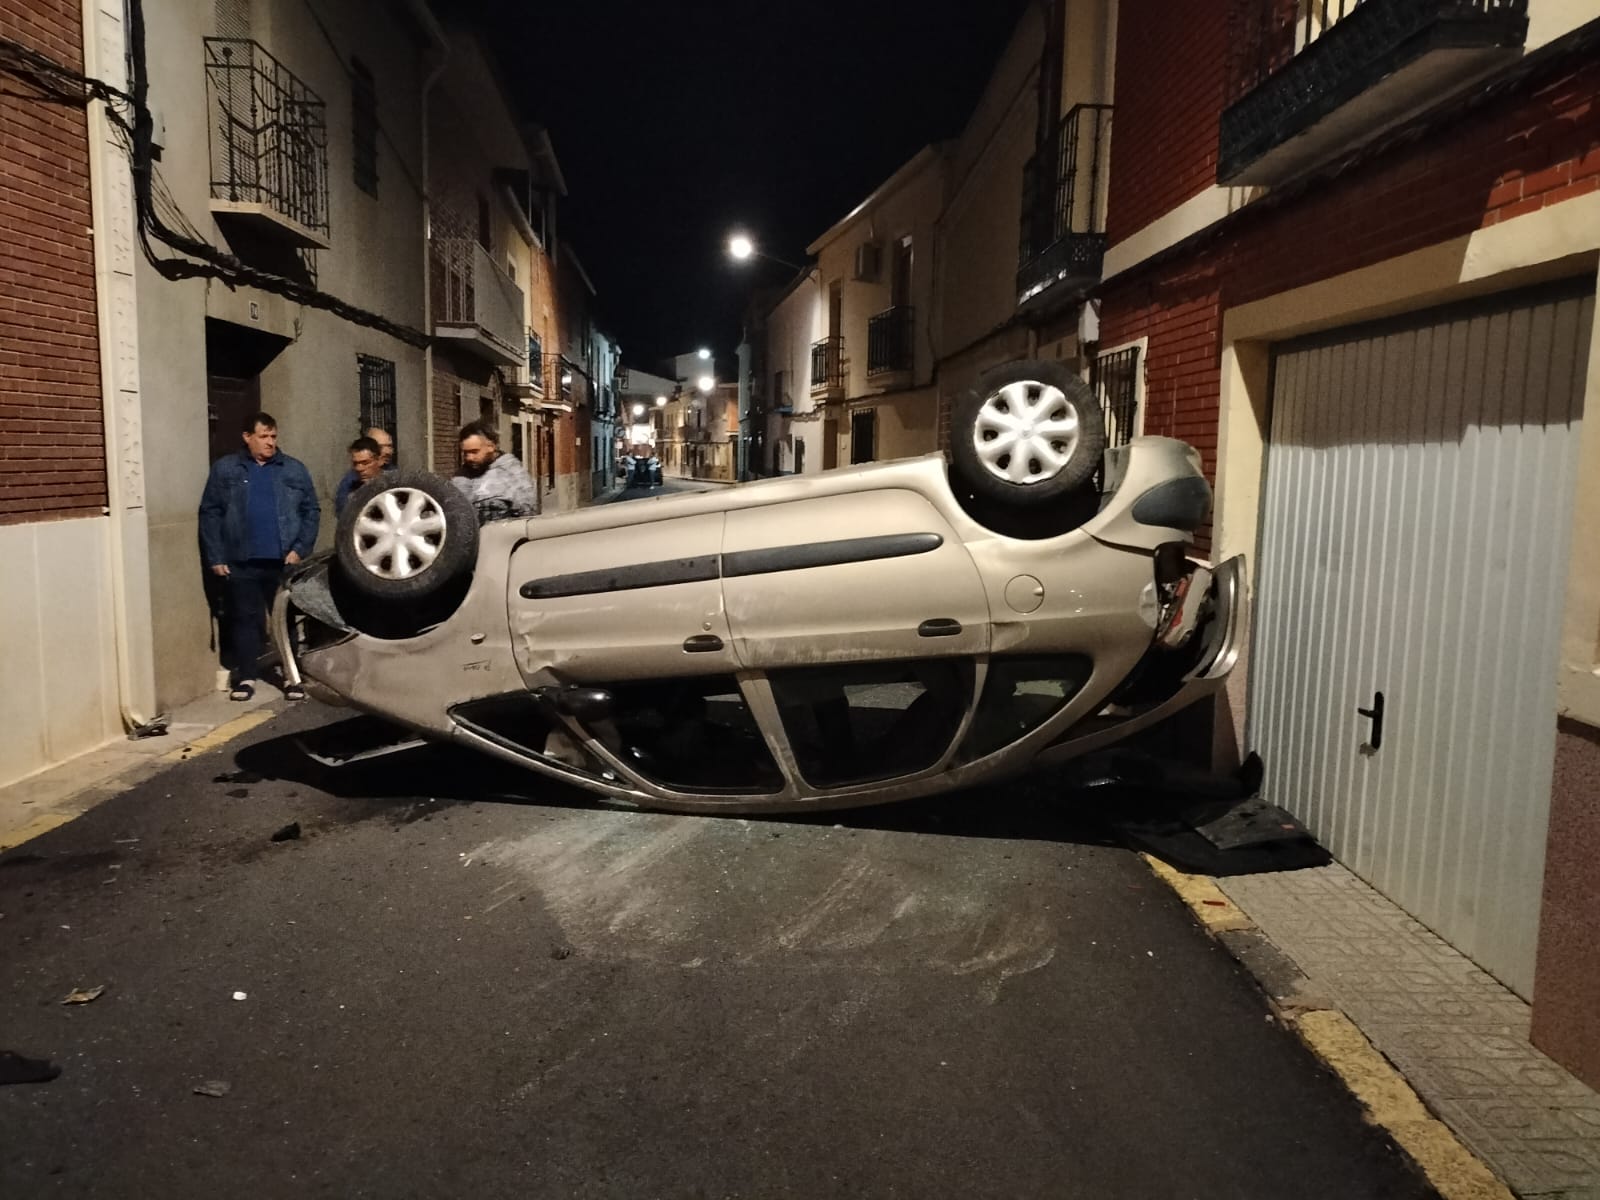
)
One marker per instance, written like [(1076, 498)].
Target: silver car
[(826, 640)]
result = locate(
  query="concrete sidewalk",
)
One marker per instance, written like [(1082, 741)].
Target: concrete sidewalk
[(54, 796), (1332, 952)]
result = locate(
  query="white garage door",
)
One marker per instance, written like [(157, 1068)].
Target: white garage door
[(1417, 510)]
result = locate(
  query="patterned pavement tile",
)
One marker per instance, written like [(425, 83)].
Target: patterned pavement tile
[(1458, 1036)]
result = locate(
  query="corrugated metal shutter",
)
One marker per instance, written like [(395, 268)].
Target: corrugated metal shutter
[(1416, 516)]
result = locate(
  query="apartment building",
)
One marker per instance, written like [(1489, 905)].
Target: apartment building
[(871, 368), (494, 185), (267, 255), (1355, 248)]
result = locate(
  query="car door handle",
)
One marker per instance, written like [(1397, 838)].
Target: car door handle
[(939, 627), (702, 643)]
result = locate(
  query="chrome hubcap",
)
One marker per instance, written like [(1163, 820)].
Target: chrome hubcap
[(398, 533), (1026, 432)]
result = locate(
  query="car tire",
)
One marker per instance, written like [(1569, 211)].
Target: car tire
[(1058, 433), (406, 536)]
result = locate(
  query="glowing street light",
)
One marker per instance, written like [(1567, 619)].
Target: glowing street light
[(638, 410), (706, 383), (741, 248), (703, 353), (661, 401)]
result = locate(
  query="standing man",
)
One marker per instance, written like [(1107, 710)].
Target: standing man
[(366, 461), (352, 479), (497, 484), (259, 513)]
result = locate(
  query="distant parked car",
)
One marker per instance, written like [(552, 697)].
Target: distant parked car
[(822, 640)]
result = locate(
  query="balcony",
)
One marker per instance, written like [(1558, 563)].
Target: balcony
[(269, 145), (476, 306), (1064, 210), (891, 346), (1308, 81), (827, 368), (528, 380)]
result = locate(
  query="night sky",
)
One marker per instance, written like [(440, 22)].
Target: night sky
[(675, 121)]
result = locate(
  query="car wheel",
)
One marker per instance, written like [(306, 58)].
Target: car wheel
[(1029, 433), (406, 535)]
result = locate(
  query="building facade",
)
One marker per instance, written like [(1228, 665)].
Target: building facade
[(872, 368), (66, 652), (256, 246), (1358, 257)]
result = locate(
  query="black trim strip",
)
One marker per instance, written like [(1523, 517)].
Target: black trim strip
[(623, 579), (740, 563), (827, 554)]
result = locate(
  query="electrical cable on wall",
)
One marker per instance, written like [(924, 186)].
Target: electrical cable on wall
[(64, 85)]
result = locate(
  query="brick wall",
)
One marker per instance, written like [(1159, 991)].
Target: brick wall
[(52, 441), (1525, 153), (1171, 73), (447, 421)]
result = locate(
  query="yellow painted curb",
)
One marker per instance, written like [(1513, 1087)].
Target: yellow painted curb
[(221, 735), (41, 824), (1204, 898), (67, 808), (1391, 1104)]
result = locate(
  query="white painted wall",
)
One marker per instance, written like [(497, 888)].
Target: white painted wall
[(375, 262), (60, 693)]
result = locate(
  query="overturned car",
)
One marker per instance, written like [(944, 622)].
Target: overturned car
[(850, 637)]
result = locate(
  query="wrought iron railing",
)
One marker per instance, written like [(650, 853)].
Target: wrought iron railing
[(1265, 35), (269, 134), (827, 363), (1063, 234), (378, 407), (890, 340), (1291, 63), (535, 362), (471, 289), (1114, 379)]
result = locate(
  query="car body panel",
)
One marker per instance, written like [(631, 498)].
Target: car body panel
[(872, 575), (810, 597), (655, 589)]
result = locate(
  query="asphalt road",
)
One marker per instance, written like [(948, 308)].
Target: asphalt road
[(451, 992)]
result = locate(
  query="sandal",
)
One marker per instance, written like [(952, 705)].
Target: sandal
[(242, 691), (294, 691)]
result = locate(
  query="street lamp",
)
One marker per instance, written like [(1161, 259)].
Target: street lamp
[(703, 353), (706, 383), (638, 410), (742, 248), (661, 401)]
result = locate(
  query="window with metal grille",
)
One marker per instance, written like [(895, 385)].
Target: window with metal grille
[(1115, 379), (377, 397), (364, 126)]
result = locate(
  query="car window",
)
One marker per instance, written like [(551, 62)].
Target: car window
[(517, 721), (1019, 695), (690, 734), (857, 722)]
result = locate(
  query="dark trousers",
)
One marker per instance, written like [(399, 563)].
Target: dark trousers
[(250, 589)]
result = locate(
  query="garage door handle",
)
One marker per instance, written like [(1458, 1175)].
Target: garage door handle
[(939, 627), (1375, 715), (702, 643)]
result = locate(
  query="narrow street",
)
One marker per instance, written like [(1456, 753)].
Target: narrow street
[(440, 987)]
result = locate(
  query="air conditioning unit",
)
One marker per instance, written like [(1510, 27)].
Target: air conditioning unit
[(869, 261)]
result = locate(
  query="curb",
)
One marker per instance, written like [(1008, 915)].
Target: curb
[(100, 788), (1386, 1099)]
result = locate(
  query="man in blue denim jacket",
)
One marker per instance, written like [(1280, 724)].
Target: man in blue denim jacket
[(259, 512)]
